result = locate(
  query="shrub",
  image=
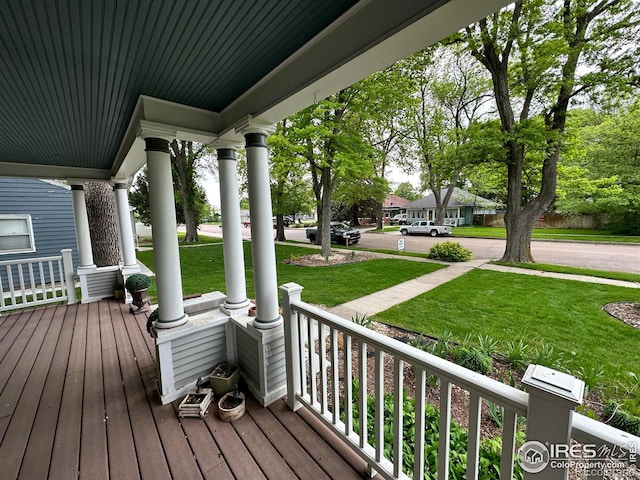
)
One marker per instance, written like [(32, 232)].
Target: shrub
[(472, 358), (137, 281), (621, 419), (449, 252), (490, 448)]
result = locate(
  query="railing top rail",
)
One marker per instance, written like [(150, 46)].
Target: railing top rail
[(487, 388), (31, 260), (589, 431)]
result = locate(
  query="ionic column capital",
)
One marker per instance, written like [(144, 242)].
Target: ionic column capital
[(251, 125)]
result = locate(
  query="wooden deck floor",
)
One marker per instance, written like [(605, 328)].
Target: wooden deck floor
[(78, 399)]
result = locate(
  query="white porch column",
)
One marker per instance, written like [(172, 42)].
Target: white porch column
[(231, 229), (262, 243), (124, 222), (85, 252), (163, 226)]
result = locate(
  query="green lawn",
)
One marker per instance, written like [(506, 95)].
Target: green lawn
[(203, 271), (546, 267), (564, 314), (548, 234)]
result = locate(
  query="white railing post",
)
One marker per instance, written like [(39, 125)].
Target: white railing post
[(553, 396), (69, 281), (292, 292)]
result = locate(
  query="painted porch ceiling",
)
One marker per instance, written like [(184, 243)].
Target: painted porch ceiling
[(71, 71)]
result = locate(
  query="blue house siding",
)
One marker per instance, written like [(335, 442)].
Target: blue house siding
[(51, 210)]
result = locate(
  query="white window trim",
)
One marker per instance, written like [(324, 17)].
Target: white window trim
[(32, 242)]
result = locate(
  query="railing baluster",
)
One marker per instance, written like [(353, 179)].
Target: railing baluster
[(335, 376), (12, 290), (32, 282), (348, 386), (509, 423), (379, 399), (322, 351), (23, 289), (443, 429), (473, 438), (43, 286), (311, 340), (303, 325), (418, 451), (398, 416), (52, 277), (2, 304), (362, 394), (63, 289)]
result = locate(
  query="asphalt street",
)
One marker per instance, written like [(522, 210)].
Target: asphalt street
[(598, 256)]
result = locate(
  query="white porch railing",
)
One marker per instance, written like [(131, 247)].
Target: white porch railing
[(325, 353), (37, 281)]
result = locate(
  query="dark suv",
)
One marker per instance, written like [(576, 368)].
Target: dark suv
[(340, 233)]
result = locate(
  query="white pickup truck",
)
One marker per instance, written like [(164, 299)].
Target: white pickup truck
[(425, 227)]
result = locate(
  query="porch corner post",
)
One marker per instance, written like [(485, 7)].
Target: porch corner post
[(553, 396), (291, 292), (166, 254), (231, 230), (262, 242), (124, 222), (85, 252)]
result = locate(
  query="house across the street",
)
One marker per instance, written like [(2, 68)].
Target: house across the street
[(461, 208)]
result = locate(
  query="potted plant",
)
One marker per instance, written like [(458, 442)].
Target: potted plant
[(137, 285), (118, 291), (224, 378), (231, 406)]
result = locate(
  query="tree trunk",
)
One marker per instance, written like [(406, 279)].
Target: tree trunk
[(180, 158), (380, 215), (103, 224), (325, 233)]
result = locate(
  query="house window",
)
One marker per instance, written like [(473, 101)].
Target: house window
[(16, 234)]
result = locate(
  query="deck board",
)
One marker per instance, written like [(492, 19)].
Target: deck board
[(37, 457), (79, 401)]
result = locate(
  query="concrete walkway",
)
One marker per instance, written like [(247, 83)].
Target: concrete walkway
[(389, 297)]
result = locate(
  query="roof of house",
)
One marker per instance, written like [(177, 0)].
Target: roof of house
[(394, 201), (460, 198)]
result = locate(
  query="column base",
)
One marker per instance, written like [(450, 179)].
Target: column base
[(236, 306), (262, 325), (172, 323)]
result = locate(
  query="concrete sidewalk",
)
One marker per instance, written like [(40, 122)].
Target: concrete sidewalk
[(389, 297)]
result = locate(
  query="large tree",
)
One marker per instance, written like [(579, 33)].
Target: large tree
[(452, 95), (541, 55), (329, 133), (186, 159), (103, 219), (290, 191)]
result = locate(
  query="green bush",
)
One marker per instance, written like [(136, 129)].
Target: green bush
[(137, 281), (449, 252), (472, 358), (620, 418), (490, 448)]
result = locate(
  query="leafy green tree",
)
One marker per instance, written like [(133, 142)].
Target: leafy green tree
[(186, 159), (407, 191), (542, 55), (139, 199), (329, 133), (290, 192), (601, 174), (452, 94)]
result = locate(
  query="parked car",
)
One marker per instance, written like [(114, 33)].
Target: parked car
[(340, 233), (424, 227), (400, 219)]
